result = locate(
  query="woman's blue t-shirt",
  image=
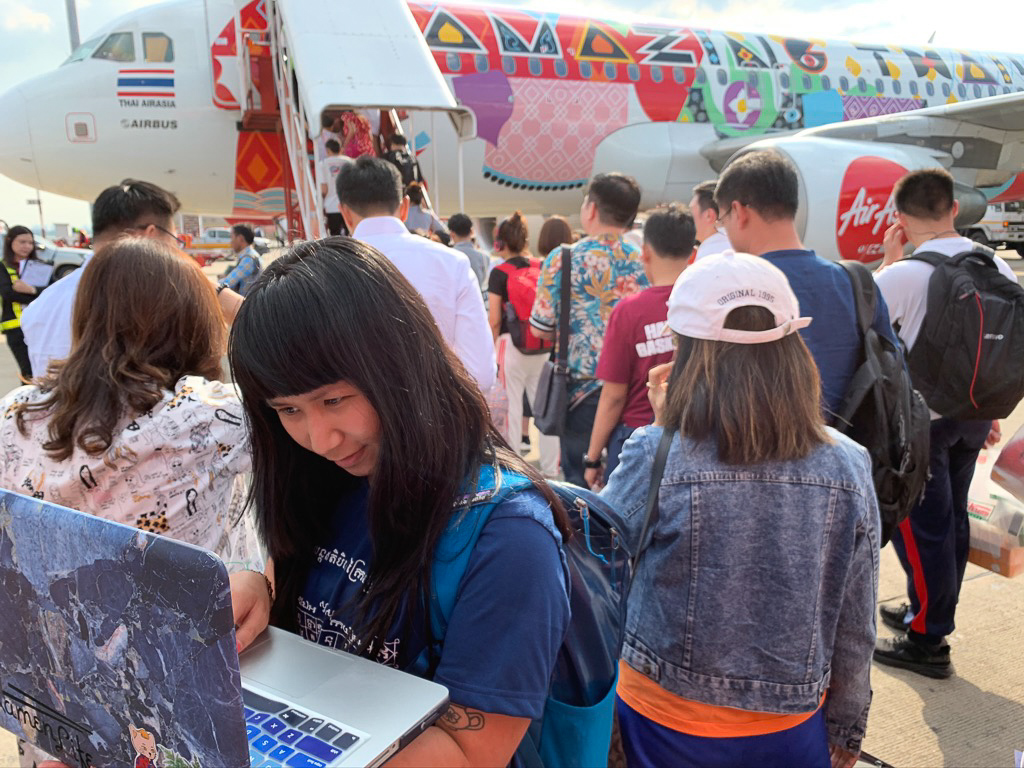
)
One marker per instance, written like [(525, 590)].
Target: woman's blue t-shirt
[(510, 617)]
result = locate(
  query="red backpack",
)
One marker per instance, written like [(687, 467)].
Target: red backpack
[(522, 290)]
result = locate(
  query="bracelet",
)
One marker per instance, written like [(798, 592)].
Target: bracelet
[(589, 463), (270, 587), (220, 288)]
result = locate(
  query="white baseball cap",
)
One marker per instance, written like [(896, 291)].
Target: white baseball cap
[(709, 289)]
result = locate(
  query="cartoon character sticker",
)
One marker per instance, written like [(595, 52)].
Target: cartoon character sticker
[(145, 747)]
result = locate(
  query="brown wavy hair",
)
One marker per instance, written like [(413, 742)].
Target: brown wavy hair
[(144, 316), (555, 231), (760, 402)]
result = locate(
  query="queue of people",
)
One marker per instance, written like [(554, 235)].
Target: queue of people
[(702, 387)]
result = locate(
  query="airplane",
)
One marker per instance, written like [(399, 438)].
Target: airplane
[(221, 101)]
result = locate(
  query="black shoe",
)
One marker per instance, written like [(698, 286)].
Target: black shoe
[(902, 652), (895, 618)]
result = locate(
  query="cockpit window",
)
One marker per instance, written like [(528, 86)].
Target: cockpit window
[(84, 51), (157, 47), (119, 46)]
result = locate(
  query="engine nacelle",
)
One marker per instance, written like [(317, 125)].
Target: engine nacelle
[(846, 201)]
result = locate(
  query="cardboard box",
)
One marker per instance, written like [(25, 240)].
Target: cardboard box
[(995, 550)]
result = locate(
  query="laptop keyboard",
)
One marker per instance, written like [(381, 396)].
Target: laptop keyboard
[(283, 736)]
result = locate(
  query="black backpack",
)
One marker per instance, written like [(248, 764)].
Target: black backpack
[(405, 164), (968, 360), (883, 412)]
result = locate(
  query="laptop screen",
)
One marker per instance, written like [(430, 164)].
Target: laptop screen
[(116, 646)]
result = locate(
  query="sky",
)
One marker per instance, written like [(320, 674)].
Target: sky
[(34, 40)]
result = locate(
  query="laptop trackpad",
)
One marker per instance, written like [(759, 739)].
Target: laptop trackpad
[(283, 670)]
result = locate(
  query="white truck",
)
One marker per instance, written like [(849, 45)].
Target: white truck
[(1003, 224)]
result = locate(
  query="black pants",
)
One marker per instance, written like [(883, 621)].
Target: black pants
[(578, 424), (932, 542), (336, 224), (16, 341)]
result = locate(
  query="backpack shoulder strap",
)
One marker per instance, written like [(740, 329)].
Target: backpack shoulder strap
[(929, 257), (651, 513), (865, 293)]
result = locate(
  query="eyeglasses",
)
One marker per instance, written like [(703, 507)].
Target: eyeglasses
[(179, 240), (724, 216)]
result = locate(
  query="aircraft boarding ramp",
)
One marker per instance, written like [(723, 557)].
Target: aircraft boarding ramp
[(343, 54)]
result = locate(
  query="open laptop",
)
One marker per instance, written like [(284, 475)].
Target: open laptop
[(117, 647)]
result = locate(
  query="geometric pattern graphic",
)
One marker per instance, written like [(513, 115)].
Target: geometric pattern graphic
[(553, 133), (855, 107), (259, 176)]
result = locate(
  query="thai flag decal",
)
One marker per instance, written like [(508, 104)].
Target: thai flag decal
[(145, 82)]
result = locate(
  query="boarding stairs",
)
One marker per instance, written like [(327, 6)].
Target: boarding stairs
[(326, 56)]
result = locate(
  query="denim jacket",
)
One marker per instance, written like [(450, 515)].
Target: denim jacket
[(758, 589)]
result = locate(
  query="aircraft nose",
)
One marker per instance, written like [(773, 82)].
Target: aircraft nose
[(16, 156)]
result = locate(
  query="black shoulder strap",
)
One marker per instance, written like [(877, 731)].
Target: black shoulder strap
[(562, 350), (865, 293), (935, 258), (657, 472)]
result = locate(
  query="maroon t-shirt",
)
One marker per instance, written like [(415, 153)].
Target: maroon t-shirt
[(637, 339)]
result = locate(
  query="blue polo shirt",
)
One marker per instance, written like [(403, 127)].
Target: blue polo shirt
[(825, 293)]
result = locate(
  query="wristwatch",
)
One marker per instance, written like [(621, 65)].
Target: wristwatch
[(589, 463)]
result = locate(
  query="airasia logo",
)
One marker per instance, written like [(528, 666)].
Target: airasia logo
[(866, 207)]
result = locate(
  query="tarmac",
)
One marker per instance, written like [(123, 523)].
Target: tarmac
[(974, 719)]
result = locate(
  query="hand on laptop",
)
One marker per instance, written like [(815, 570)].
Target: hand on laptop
[(250, 600)]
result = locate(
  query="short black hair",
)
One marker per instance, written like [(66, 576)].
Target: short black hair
[(925, 194), (763, 179), (414, 192), (245, 232), (617, 198), (131, 204), (370, 186), (332, 146), (460, 225), (670, 231), (705, 194), (399, 140), (327, 121)]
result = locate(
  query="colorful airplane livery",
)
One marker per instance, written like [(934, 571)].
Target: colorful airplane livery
[(220, 101)]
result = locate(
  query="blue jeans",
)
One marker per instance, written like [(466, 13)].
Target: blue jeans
[(932, 542), (647, 743), (619, 436)]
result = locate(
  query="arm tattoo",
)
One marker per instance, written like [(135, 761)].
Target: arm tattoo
[(458, 718)]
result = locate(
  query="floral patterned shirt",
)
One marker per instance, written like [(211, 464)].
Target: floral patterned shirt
[(604, 270)]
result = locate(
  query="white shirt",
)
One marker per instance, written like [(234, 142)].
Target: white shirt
[(179, 469), (444, 278), (46, 322), (332, 166), (904, 285), (717, 243)]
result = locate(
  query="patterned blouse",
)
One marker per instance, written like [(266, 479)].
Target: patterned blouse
[(604, 269), (181, 469)]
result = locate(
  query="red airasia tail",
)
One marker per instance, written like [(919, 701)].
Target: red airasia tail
[(509, 109)]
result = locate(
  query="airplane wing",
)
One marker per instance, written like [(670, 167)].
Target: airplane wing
[(983, 135)]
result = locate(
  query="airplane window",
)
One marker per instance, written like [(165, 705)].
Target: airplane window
[(896, 87), (826, 83), (844, 83), (610, 70), (84, 51), (633, 72), (702, 77), (946, 90), (508, 64), (962, 90), (481, 63), (157, 47), (656, 74), (722, 77), (536, 67), (862, 84), (807, 82), (929, 89), (453, 61), (561, 68), (678, 75), (784, 81), (977, 91), (879, 85), (586, 70), (991, 90), (753, 80), (119, 46)]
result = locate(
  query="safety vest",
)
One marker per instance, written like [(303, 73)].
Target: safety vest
[(14, 322)]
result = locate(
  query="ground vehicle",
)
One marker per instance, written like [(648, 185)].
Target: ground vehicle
[(64, 259), (1003, 224), (219, 238)]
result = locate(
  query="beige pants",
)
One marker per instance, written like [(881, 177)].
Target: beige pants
[(522, 373)]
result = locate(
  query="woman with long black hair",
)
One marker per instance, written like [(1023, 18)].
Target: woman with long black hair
[(368, 436), (19, 248)]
